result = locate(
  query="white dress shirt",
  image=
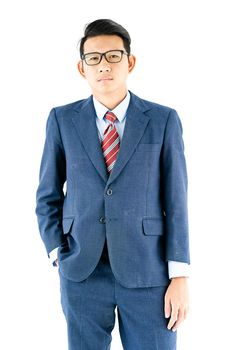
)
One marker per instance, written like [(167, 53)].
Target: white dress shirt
[(175, 268)]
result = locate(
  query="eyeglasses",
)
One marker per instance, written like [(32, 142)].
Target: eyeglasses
[(112, 56)]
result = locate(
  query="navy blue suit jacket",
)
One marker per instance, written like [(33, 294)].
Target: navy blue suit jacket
[(141, 208)]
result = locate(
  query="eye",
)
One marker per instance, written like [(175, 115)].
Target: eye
[(93, 58), (114, 57)]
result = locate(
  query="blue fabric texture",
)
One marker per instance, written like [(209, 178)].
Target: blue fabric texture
[(140, 209), (89, 308)]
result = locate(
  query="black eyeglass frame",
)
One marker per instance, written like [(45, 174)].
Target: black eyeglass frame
[(103, 55)]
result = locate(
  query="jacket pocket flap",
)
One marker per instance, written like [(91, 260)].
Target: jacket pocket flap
[(67, 224), (153, 226)]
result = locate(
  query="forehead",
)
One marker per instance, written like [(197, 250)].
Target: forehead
[(102, 43)]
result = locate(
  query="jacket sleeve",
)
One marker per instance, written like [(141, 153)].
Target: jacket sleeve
[(50, 195), (174, 191)]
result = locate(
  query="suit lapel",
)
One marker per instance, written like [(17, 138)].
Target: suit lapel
[(85, 124), (136, 122)]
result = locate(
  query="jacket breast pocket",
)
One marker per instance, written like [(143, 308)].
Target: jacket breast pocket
[(67, 224), (153, 226)]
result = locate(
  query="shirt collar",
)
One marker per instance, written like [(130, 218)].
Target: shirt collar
[(119, 111)]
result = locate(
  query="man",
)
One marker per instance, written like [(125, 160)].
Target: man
[(120, 230)]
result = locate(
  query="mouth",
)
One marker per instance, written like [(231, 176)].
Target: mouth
[(104, 79)]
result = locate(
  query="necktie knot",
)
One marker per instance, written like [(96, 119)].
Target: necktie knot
[(110, 116)]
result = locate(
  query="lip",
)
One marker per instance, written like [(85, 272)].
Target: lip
[(104, 78)]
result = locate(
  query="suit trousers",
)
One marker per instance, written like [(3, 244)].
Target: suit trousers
[(89, 309)]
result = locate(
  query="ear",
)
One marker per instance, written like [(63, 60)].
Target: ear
[(131, 63), (81, 69)]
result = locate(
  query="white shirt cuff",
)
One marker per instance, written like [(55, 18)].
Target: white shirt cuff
[(178, 269), (53, 255)]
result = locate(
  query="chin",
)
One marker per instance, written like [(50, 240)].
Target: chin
[(106, 89)]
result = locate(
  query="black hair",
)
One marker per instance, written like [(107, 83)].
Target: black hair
[(105, 27)]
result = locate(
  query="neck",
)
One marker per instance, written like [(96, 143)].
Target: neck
[(111, 100)]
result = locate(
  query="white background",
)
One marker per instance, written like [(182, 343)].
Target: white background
[(185, 59)]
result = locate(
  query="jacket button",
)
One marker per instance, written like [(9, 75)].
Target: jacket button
[(102, 220), (109, 192)]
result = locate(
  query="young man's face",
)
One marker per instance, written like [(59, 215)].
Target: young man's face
[(106, 78)]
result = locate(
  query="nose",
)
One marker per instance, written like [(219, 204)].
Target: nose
[(104, 66)]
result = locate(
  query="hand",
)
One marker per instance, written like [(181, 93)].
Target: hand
[(176, 302)]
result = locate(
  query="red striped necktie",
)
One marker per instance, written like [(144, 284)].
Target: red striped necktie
[(111, 142)]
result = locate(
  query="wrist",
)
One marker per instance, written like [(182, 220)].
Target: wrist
[(179, 278)]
